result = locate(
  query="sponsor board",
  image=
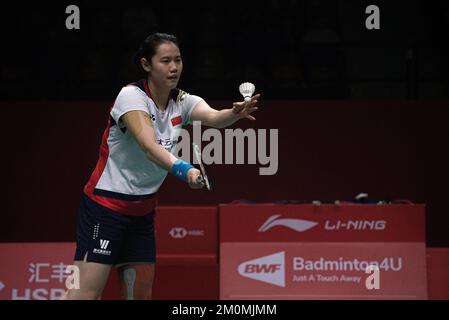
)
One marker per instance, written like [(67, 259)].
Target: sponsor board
[(322, 252), (322, 271), (34, 271)]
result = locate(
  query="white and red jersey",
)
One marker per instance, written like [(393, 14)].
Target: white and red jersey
[(124, 179)]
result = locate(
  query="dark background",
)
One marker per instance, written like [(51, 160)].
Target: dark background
[(293, 49), (357, 110)]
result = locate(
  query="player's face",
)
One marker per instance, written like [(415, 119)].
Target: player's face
[(166, 65)]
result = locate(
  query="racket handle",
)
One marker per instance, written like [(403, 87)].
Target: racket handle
[(199, 179)]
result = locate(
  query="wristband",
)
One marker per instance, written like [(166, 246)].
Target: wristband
[(180, 168)]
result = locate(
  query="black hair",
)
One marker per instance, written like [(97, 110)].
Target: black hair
[(149, 47)]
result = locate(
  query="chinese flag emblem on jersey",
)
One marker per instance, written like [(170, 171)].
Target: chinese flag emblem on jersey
[(176, 120)]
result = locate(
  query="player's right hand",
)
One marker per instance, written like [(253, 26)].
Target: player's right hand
[(245, 108), (192, 179)]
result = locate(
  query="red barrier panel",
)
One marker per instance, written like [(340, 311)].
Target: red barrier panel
[(327, 223), (280, 264), (187, 248), (182, 281), (186, 282), (186, 234), (438, 273), (322, 252), (186, 268), (34, 271), (187, 245)]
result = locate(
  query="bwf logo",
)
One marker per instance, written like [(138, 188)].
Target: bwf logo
[(269, 269), (104, 244)]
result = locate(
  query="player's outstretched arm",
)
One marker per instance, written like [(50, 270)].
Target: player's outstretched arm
[(223, 118), (140, 126)]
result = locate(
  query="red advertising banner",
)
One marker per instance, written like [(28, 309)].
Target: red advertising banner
[(187, 253), (438, 273), (322, 223), (322, 271), (322, 252), (187, 234), (186, 239), (34, 271)]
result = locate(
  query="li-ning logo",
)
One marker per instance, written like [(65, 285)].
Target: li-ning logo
[(104, 244), (373, 225), (299, 225), (269, 269)]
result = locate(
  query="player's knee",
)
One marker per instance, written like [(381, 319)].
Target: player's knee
[(144, 290), (138, 290), (78, 294), (137, 282)]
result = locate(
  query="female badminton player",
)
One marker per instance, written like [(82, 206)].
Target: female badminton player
[(116, 216)]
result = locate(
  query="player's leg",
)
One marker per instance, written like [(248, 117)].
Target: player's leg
[(99, 237), (137, 258), (92, 279), (136, 281)]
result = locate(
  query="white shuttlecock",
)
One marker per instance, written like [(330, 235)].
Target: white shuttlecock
[(247, 90)]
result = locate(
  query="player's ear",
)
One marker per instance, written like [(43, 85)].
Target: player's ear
[(145, 65)]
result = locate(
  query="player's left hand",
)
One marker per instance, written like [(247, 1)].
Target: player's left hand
[(245, 108)]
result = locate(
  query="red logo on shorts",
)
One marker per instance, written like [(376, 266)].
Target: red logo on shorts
[(176, 120)]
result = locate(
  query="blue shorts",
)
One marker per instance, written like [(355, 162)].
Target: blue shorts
[(109, 237)]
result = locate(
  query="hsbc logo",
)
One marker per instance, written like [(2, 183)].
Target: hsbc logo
[(269, 269), (298, 225), (180, 233)]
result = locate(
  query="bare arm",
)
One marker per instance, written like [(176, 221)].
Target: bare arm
[(140, 126), (224, 118)]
